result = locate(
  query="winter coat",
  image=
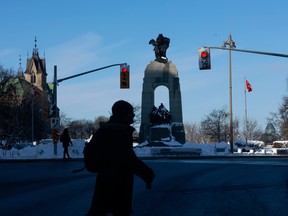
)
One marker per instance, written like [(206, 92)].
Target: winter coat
[(65, 139), (114, 183)]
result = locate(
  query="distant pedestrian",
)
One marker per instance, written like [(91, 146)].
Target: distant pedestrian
[(66, 141), (114, 183)]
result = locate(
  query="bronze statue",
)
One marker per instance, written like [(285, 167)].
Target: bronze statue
[(160, 115), (160, 46)]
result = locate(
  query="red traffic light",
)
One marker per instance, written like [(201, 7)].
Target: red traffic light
[(204, 54), (124, 76), (204, 58), (124, 69)]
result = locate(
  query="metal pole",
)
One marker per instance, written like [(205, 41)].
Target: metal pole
[(231, 44), (55, 101), (32, 116), (246, 125), (55, 86), (250, 51), (55, 83), (230, 104), (232, 47), (87, 72)]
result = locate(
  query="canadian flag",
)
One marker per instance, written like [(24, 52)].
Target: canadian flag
[(248, 86)]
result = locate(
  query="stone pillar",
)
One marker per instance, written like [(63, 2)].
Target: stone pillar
[(161, 74)]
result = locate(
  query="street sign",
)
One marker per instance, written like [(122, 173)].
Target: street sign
[(55, 123), (55, 134)]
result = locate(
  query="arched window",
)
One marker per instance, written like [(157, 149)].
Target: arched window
[(161, 95)]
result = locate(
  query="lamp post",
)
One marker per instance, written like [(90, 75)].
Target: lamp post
[(231, 45)]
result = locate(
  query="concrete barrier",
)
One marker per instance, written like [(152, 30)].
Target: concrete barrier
[(175, 152), (220, 149), (281, 151)]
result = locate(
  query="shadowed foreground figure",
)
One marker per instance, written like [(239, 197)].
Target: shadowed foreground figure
[(114, 183)]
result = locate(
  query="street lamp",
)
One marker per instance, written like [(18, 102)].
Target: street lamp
[(231, 45)]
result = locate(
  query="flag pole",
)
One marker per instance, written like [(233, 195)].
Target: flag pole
[(246, 125)]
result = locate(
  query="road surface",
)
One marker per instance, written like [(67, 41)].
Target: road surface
[(201, 187)]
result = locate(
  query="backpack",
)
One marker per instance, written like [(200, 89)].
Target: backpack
[(92, 156)]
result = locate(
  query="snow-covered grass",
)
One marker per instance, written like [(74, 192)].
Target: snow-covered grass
[(45, 150), (48, 150)]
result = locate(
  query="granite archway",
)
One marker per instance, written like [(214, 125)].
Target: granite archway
[(161, 74)]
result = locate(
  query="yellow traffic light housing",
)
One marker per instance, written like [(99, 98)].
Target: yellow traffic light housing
[(124, 76)]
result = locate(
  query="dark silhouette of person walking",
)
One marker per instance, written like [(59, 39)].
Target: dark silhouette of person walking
[(114, 182), (66, 141)]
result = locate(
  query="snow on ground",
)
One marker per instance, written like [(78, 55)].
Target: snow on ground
[(47, 149)]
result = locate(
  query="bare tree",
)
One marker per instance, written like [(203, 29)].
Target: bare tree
[(194, 133), (6, 73), (236, 125), (137, 118), (251, 130), (64, 120), (16, 112), (215, 125), (97, 122), (81, 129), (280, 119)]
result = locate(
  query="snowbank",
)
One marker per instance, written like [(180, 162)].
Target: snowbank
[(47, 150)]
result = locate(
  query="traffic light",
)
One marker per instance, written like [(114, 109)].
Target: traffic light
[(204, 58), (124, 76), (54, 111)]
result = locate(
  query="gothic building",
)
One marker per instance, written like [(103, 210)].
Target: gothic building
[(33, 82), (270, 134), (25, 101), (35, 72)]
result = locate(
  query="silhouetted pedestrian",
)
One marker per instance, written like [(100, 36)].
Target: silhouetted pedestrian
[(66, 141), (114, 183)]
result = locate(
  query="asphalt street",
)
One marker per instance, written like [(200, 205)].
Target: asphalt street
[(206, 186)]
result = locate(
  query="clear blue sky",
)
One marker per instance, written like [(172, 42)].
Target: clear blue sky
[(78, 36)]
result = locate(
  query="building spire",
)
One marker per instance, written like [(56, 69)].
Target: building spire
[(20, 62), (35, 50), (20, 70)]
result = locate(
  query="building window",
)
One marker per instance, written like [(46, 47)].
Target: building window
[(33, 78)]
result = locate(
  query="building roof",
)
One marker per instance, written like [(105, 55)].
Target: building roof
[(39, 64), (20, 84)]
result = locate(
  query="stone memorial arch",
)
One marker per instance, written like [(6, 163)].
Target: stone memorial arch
[(161, 72)]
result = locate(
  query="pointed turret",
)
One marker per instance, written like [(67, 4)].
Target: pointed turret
[(20, 73), (35, 72)]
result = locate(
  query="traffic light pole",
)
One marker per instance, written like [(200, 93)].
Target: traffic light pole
[(55, 84), (231, 44), (87, 72), (55, 131), (252, 51), (232, 47)]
